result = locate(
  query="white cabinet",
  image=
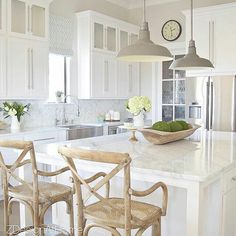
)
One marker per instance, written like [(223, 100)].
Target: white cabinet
[(229, 205), (27, 75), (100, 74), (103, 75), (104, 37), (39, 67), (2, 67), (18, 69), (28, 18), (128, 81), (215, 35), (2, 16)]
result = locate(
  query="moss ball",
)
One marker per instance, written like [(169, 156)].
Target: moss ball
[(175, 126), (162, 126), (184, 124)]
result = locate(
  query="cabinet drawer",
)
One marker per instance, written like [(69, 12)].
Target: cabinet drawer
[(230, 180), (42, 138)]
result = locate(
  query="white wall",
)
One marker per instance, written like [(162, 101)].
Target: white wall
[(157, 15), (68, 7)]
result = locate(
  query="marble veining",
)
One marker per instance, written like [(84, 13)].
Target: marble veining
[(204, 155)]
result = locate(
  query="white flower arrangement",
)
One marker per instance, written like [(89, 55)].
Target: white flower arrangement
[(138, 104), (14, 109)]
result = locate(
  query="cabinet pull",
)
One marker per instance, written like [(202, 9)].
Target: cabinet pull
[(234, 178), (105, 38), (31, 21), (43, 139), (28, 19), (210, 40), (213, 42), (130, 78), (32, 68), (106, 77), (29, 65)]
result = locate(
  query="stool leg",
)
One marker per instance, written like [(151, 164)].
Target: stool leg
[(6, 217), (156, 228)]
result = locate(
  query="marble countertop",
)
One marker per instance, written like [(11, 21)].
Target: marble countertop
[(23, 131), (203, 156)]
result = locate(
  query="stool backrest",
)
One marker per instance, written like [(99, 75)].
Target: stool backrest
[(120, 160)]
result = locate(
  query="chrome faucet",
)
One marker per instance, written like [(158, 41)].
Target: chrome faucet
[(76, 102)]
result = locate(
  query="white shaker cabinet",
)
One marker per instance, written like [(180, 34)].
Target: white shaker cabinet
[(229, 204), (27, 70), (2, 16), (128, 80), (40, 71), (100, 74), (103, 75), (28, 18), (2, 67), (215, 36), (18, 68)]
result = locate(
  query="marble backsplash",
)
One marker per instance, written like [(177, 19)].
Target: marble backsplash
[(45, 114)]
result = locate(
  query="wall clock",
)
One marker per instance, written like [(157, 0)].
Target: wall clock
[(171, 30)]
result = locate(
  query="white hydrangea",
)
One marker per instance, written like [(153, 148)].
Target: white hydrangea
[(138, 104)]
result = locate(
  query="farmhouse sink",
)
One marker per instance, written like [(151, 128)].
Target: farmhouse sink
[(82, 131)]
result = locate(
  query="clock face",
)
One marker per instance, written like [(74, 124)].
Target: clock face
[(171, 30)]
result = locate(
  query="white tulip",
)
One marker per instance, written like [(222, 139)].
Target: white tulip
[(12, 112)]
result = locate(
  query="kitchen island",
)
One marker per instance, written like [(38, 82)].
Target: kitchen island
[(200, 173)]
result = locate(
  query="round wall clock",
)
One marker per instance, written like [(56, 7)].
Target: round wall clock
[(171, 30)]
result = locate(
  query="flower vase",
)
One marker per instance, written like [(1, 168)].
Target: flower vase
[(139, 120), (15, 124)]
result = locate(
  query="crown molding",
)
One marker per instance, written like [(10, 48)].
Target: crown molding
[(131, 4)]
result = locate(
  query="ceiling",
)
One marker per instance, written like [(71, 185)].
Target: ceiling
[(130, 4)]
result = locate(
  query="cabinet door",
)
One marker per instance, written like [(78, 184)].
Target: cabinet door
[(2, 15), (18, 17), (18, 70), (103, 76), (128, 81), (110, 44), (224, 36), (39, 20), (39, 71), (203, 40), (2, 67), (229, 216)]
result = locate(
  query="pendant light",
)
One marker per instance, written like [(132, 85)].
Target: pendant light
[(144, 50), (191, 61)]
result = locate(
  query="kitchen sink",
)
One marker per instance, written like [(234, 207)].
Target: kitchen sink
[(82, 131)]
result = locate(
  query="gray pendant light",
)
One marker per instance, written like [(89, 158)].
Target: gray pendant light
[(144, 50), (191, 61)]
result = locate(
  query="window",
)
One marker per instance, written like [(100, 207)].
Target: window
[(173, 93), (59, 75)]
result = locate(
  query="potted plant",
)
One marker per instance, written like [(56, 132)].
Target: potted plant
[(15, 111), (59, 96), (137, 106)]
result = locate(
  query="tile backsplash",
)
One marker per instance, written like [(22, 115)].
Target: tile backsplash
[(45, 114)]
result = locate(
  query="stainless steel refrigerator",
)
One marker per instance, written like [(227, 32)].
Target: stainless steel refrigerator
[(211, 102)]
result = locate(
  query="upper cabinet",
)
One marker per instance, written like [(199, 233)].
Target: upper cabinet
[(215, 36), (2, 16), (24, 49), (28, 18), (100, 74), (2, 66)]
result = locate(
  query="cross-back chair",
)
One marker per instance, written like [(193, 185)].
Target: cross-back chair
[(36, 196), (113, 213)]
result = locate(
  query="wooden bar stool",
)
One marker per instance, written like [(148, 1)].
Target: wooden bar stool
[(113, 213), (36, 196)]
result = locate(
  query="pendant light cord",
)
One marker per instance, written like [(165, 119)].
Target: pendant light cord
[(191, 19), (144, 10)]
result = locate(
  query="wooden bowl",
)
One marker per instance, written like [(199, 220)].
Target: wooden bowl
[(160, 137)]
